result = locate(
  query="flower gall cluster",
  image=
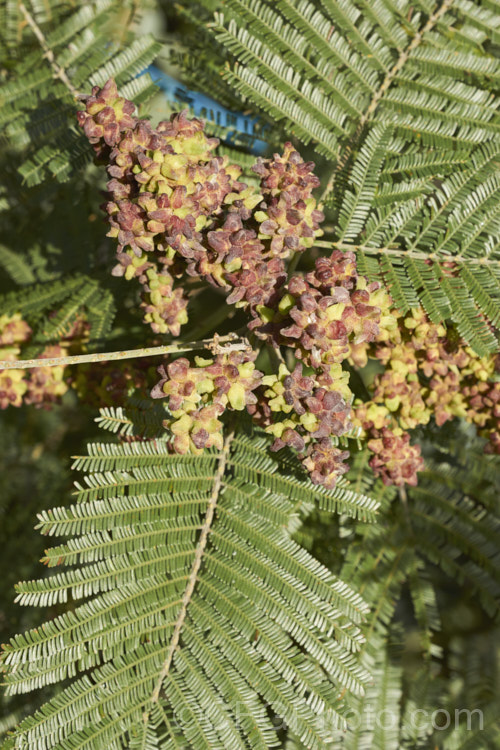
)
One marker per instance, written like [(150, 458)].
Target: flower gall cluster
[(199, 394), (175, 208), (429, 372), (39, 386)]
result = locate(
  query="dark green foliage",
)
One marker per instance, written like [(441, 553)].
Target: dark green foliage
[(34, 471), (81, 49), (66, 301)]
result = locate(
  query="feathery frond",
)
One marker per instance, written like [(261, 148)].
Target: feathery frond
[(38, 101), (192, 603)]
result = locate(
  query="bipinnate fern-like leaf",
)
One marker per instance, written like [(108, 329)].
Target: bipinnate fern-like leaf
[(196, 619), (327, 71), (60, 50)]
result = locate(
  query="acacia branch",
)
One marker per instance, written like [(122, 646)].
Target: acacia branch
[(403, 59), (401, 253), (59, 72), (383, 88), (195, 569), (217, 344)]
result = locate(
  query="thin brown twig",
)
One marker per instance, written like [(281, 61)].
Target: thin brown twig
[(400, 253), (59, 72), (231, 343)]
